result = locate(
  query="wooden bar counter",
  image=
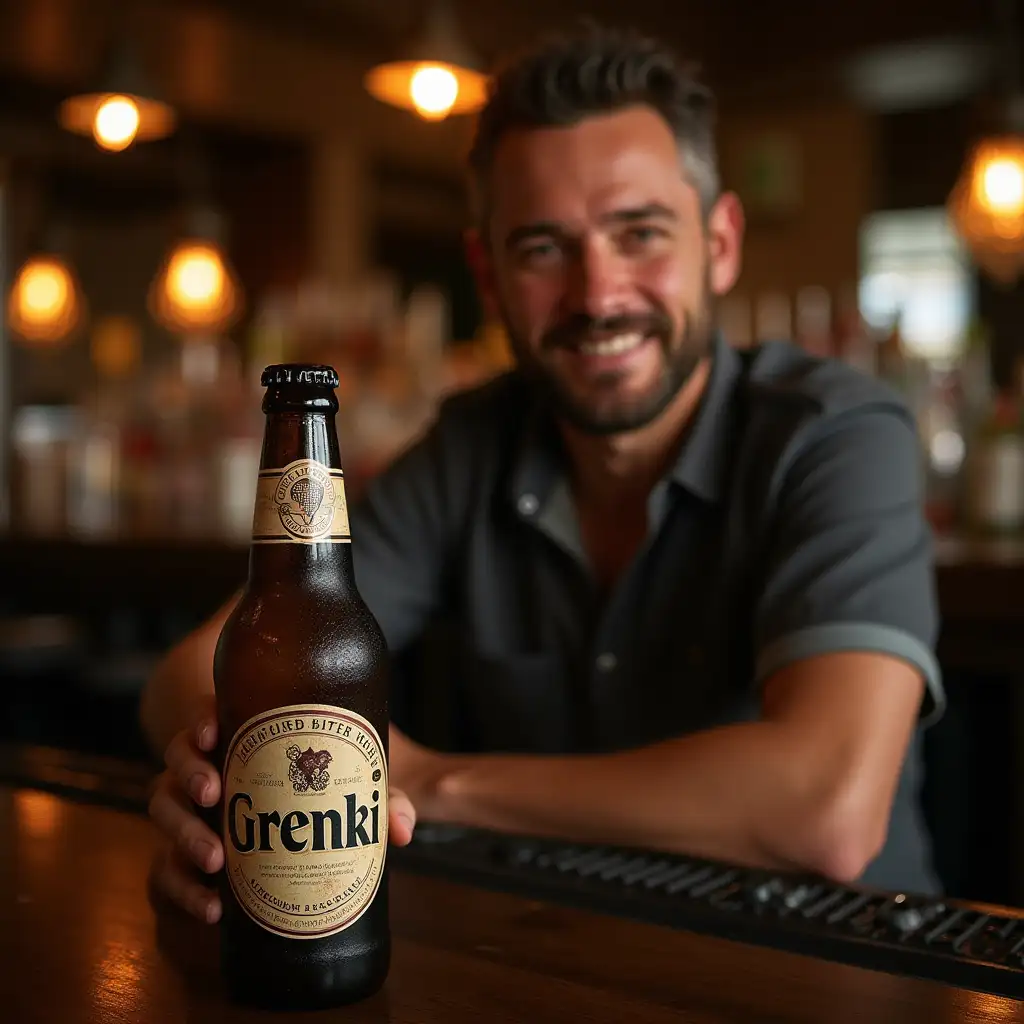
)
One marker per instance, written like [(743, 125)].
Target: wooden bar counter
[(81, 944)]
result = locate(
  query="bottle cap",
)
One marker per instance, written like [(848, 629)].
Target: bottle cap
[(300, 373)]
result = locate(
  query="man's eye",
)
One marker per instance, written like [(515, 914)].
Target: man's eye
[(538, 252), (643, 234)]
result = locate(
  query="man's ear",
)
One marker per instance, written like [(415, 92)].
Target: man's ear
[(725, 242), (478, 256)]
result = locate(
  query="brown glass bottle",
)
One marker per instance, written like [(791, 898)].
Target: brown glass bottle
[(302, 701)]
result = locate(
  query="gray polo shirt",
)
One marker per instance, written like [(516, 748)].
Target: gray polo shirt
[(790, 525)]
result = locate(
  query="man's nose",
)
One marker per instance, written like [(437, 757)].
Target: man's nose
[(598, 281)]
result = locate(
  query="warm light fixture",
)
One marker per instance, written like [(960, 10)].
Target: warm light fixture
[(122, 109), (439, 78), (116, 124), (45, 303), (987, 206), (196, 291)]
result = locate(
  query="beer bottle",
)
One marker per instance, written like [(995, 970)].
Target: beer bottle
[(301, 682)]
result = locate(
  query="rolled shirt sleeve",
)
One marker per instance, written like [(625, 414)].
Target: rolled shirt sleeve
[(850, 564)]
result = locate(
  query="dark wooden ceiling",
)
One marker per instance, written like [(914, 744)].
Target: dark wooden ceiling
[(749, 48), (737, 41)]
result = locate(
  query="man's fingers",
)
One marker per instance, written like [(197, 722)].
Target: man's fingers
[(401, 817), (206, 729), (192, 770), (172, 877), (190, 835)]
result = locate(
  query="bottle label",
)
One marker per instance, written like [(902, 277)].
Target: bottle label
[(305, 819), (304, 503)]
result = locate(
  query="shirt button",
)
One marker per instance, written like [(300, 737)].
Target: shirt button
[(528, 504), (606, 662)]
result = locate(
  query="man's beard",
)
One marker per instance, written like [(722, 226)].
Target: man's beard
[(681, 355)]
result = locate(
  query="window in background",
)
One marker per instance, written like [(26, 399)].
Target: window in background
[(914, 268)]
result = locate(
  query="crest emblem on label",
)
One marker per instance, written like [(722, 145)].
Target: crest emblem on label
[(305, 501), (302, 503), (309, 768)]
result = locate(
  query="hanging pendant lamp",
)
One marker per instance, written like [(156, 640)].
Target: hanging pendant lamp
[(986, 204), (440, 77), (45, 304), (196, 291), (122, 108)]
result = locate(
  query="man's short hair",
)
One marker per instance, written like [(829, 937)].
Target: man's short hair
[(593, 71)]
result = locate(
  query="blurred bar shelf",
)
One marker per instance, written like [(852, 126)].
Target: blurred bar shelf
[(981, 598), (69, 575)]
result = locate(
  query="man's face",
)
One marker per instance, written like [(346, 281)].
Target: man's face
[(599, 263)]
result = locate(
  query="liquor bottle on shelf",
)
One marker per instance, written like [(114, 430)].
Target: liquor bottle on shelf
[(995, 479)]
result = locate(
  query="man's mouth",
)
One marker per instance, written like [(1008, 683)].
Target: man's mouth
[(617, 344)]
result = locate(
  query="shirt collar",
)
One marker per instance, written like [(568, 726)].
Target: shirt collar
[(704, 460), (702, 466)]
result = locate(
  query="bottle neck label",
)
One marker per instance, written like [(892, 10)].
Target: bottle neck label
[(303, 503), (305, 819)]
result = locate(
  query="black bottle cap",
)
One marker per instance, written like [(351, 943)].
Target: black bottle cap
[(300, 373)]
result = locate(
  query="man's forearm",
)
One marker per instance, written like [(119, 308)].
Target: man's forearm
[(733, 793), (182, 682), (173, 696)]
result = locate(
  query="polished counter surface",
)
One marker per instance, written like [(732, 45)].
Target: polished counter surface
[(80, 942)]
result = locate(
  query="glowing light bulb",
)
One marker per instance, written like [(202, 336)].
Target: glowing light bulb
[(1003, 186), (116, 123), (195, 290), (195, 277), (43, 305), (43, 291), (434, 90)]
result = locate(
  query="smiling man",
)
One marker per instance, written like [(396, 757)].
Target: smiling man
[(692, 587), (604, 288)]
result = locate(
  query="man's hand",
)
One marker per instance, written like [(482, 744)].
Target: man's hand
[(419, 772), (191, 848)]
